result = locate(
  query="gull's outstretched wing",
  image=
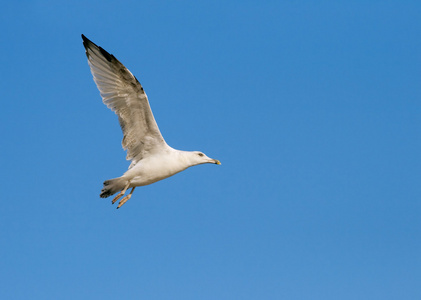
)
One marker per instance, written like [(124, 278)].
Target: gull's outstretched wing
[(124, 95)]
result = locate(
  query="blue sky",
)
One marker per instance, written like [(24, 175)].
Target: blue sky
[(313, 109)]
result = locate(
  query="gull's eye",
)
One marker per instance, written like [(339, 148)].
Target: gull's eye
[(200, 154)]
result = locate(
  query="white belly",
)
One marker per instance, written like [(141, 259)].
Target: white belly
[(152, 170)]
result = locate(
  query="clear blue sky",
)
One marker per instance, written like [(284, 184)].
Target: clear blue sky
[(313, 108)]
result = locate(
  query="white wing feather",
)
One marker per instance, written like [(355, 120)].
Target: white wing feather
[(124, 95)]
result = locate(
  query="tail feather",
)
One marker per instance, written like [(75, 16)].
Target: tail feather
[(112, 186)]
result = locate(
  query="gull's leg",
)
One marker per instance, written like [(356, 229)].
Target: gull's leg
[(123, 191), (124, 200)]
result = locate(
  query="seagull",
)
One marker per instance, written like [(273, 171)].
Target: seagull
[(151, 158)]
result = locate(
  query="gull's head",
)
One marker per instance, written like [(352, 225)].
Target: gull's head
[(197, 158)]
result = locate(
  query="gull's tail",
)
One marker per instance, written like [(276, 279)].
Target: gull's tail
[(112, 186)]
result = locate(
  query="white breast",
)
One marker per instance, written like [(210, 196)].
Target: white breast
[(154, 168)]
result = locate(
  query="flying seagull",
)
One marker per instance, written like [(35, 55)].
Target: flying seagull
[(151, 158)]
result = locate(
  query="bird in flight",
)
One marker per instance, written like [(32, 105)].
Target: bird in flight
[(151, 158)]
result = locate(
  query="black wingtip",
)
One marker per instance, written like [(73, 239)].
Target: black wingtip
[(85, 39), (88, 43)]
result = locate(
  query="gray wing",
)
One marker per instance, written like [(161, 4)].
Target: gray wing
[(124, 95)]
